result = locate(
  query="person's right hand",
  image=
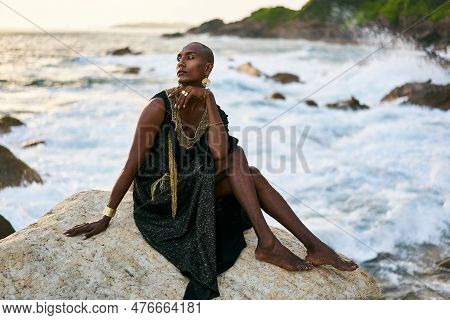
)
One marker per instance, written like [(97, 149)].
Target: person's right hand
[(90, 229)]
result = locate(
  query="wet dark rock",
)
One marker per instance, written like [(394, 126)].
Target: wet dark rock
[(31, 143), (14, 172), (311, 103), (132, 70), (436, 57), (5, 227), (423, 94), (351, 104), (284, 77), (277, 95), (6, 122)]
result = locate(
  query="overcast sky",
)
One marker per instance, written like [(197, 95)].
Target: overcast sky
[(86, 14)]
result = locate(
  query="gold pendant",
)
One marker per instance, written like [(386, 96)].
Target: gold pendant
[(206, 82)]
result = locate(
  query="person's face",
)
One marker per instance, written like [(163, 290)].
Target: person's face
[(191, 61)]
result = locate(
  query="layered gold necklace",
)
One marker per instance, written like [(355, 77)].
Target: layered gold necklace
[(184, 140)]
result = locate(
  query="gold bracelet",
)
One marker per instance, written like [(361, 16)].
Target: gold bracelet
[(212, 124), (109, 211)]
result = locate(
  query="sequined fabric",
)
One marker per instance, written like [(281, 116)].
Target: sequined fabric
[(205, 237)]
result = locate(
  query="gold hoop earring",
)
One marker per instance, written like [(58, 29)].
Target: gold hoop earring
[(206, 82)]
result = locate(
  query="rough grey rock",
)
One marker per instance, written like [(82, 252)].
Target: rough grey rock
[(39, 262)]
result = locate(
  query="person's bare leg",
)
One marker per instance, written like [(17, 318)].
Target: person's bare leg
[(274, 204), (269, 248)]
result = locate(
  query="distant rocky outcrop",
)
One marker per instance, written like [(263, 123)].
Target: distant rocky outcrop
[(211, 27), (423, 94), (39, 262), (6, 122), (172, 35), (342, 21), (14, 172), (122, 51), (5, 228), (350, 104)]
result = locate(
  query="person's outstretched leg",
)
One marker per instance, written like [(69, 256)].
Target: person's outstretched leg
[(269, 248), (274, 204)]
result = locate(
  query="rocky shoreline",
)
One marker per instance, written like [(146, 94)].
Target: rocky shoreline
[(339, 21), (425, 94)]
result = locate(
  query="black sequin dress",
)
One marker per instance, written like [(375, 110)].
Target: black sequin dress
[(199, 233)]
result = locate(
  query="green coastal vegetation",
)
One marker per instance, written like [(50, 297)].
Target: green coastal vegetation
[(359, 12)]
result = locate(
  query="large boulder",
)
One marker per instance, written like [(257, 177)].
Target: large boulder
[(14, 172), (39, 262), (423, 94)]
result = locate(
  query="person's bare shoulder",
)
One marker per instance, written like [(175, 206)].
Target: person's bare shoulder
[(153, 112)]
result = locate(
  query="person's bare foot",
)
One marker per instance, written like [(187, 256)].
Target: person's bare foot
[(281, 256), (326, 255)]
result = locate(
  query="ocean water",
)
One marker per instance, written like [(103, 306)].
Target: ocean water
[(373, 184)]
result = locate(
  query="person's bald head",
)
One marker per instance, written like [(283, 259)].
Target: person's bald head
[(195, 62), (205, 51)]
